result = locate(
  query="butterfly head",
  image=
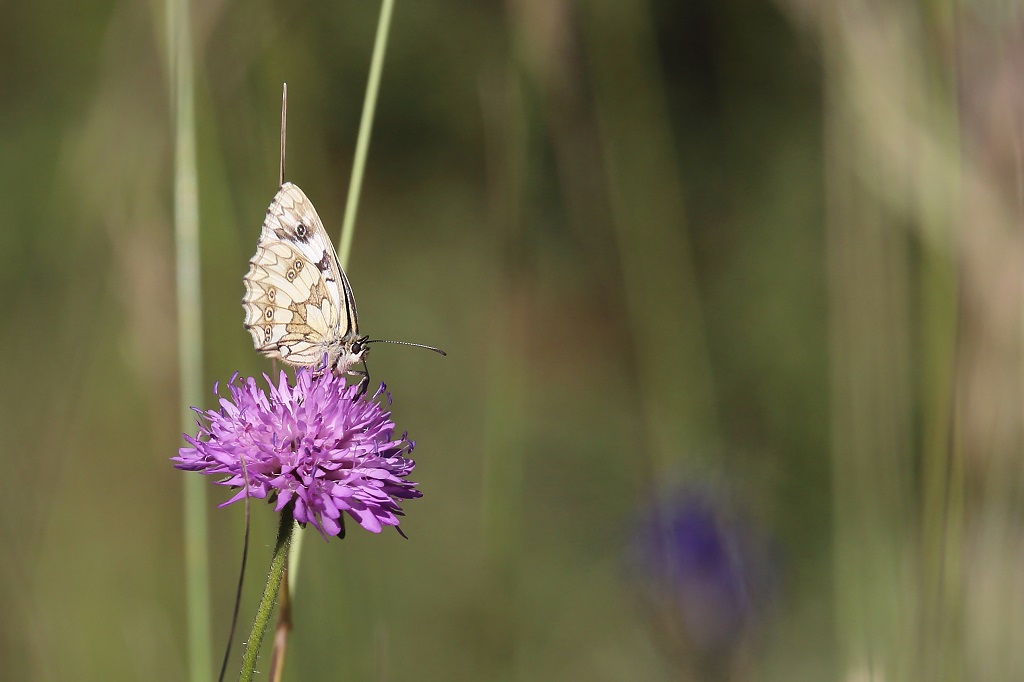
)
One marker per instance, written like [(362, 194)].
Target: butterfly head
[(347, 353), (352, 350)]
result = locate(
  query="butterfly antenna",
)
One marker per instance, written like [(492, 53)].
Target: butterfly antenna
[(284, 128), (408, 343)]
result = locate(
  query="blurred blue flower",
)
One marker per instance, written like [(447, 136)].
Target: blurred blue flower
[(704, 574)]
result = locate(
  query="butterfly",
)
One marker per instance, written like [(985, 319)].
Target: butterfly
[(298, 302), (299, 305)]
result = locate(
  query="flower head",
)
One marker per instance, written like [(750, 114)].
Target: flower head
[(316, 445), (705, 570)]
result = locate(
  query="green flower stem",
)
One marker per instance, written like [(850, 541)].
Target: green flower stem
[(348, 227), (348, 224), (380, 46), (259, 625), (190, 340)]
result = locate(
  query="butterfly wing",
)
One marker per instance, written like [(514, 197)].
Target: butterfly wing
[(298, 302)]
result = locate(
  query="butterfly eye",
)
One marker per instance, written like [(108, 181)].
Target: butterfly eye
[(300, 230), (268, 332), (270, 313), (290, 275), (298, 265), (271, 294)]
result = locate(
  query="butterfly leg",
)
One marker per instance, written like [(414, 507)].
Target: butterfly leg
[(364, 381), (364, 384)]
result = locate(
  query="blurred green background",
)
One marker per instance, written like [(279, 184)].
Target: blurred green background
[(758, 264)]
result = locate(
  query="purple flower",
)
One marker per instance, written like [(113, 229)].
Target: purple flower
[(313, 445)]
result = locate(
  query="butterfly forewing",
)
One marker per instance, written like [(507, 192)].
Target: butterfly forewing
[(298, 303)]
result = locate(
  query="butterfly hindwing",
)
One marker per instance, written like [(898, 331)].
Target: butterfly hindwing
[(289, 309)]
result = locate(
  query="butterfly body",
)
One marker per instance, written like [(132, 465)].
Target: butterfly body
[(299, 305)]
